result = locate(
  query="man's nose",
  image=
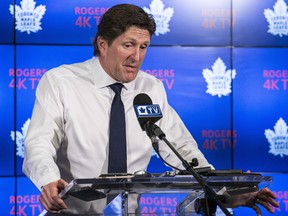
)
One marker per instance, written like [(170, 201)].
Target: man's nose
[(136, 54)]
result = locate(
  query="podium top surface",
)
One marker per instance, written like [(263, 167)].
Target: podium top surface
[(158, 183)]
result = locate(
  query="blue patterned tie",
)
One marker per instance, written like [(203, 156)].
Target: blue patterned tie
[(117, 137)]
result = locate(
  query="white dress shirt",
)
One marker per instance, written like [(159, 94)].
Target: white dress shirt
[(69, 129)]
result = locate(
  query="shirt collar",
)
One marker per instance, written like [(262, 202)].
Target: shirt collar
[(101, 79)]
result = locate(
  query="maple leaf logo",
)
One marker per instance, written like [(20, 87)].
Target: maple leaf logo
[(219, 80), (277, 19), (20, 137), (28, 18), (162, 16), (142, 110), (278, 138)]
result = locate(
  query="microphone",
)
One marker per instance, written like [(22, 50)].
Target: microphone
[(146, 112)]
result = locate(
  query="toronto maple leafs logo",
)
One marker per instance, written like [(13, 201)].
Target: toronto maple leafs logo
[(162, 16), (278, 138), (19, 138), (28, 18), (277, 19), (218, 79)]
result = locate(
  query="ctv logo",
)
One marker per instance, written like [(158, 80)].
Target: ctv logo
[(148, 110)]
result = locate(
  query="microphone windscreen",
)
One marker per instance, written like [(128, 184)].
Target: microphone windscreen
[(145, 111), (142, 99)]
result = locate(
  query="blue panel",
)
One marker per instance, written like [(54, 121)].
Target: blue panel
[(6, 110), (7, 197), (67, 22), (6, 22), (251, 25), (19, 198), (207, 117), (27, 198), (186, 22), (197, 22), (57, 24), (260, 100), (32, 63)]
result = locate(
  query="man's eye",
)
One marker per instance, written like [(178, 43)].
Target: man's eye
[(144, 47), (127, 45)]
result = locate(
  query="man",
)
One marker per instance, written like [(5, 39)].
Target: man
[(68, 135)]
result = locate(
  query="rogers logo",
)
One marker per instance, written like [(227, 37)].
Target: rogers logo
[(25, 78), (88, 17), (219, 139), (167, 76)]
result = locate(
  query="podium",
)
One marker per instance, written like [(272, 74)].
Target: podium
[(154, 194)]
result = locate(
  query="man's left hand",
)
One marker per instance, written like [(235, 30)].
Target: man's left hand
[(265, 198)]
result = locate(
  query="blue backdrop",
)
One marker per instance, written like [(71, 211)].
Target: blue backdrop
[(223, 64)]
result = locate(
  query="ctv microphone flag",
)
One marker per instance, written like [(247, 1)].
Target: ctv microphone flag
[(145, 110), (148, 111)]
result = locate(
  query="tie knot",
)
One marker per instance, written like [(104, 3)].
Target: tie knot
[(116, 87)]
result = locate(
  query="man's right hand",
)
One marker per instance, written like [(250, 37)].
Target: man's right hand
[(49, 197)]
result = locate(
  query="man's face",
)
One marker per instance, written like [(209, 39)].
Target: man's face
[(123, 58)]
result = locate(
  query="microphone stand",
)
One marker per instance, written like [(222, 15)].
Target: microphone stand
[(153, 130)]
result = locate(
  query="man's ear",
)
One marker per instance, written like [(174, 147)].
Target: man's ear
[(102, 44)]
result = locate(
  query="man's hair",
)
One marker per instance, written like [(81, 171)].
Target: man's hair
[(118, 19)]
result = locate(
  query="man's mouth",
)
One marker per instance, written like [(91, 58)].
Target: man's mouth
[(130, 67)]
